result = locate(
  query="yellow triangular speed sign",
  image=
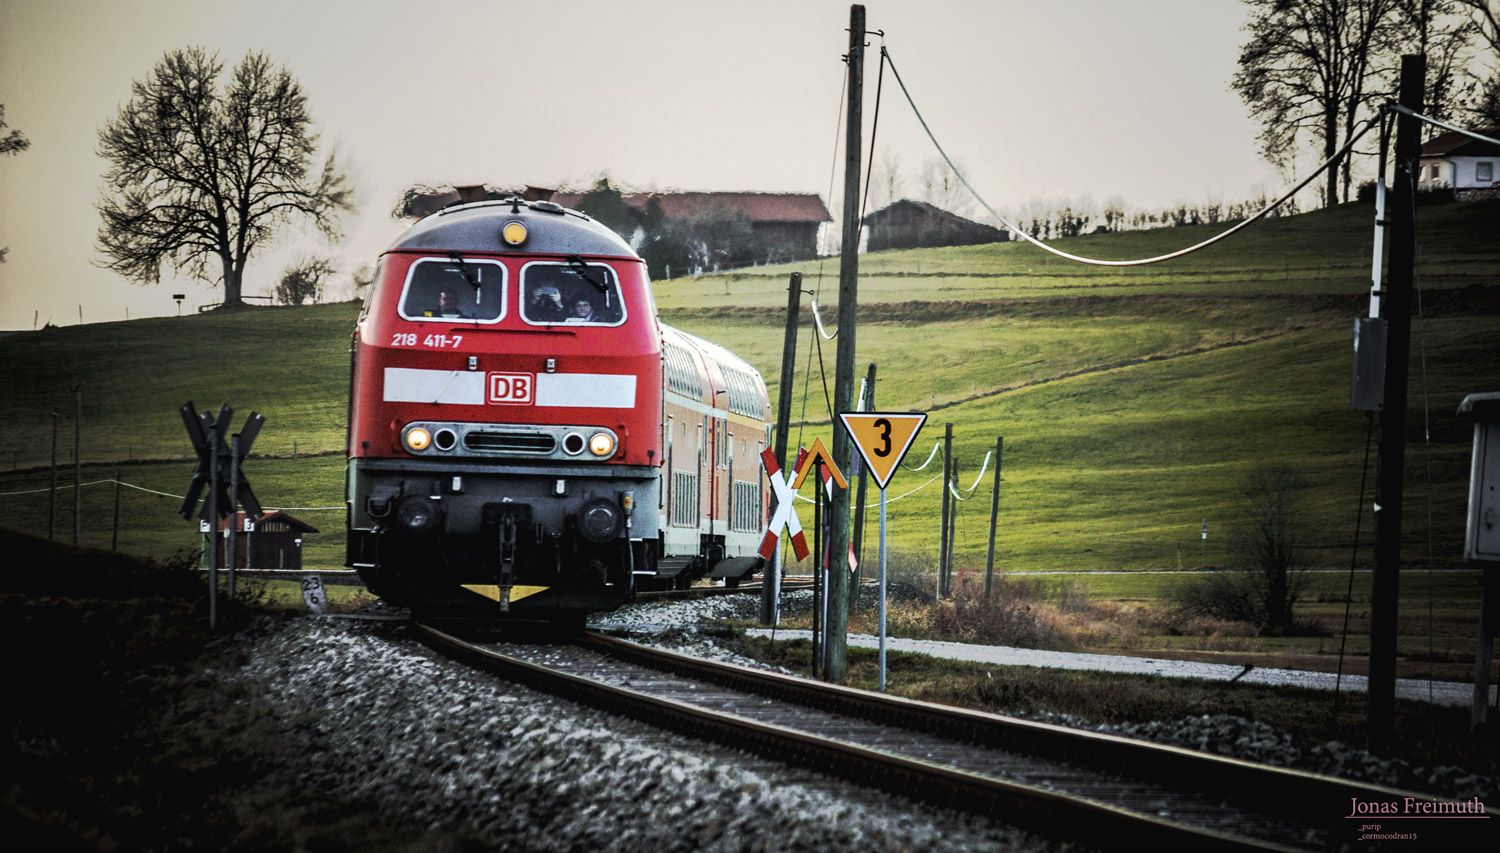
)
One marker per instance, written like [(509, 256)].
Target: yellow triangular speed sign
[(883, 438)]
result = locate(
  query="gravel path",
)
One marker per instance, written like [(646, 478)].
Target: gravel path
[(1453, 693)]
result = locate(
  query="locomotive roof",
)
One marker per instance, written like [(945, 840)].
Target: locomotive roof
[(552, 230)]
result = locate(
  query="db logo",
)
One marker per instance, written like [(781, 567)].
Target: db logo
[(511, 388)]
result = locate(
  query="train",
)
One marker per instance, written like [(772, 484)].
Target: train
[(527, 440)]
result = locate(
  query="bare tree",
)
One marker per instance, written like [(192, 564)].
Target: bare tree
[(1268, 578), (1483, 101), (1439, 30), (940, 187), (887, 184), (303, 281), (1308, 69), (10, 143), (201, 174)]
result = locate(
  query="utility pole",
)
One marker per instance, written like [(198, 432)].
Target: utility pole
[(1385, 583), (78, 461), (843, 387), (771, 578), (942, 584), (114, 539), (52, 492), (989, 562)]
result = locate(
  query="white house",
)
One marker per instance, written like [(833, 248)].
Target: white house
[(1462, 162)]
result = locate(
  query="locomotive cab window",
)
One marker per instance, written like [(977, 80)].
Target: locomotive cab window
[(570, 294), (454, 290)]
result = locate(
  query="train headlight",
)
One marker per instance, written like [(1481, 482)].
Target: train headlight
[(419, 514), (600, 520), (602, 444), (513, 232), (417, 439)]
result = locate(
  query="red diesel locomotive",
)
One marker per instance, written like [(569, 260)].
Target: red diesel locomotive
[(526, 438)]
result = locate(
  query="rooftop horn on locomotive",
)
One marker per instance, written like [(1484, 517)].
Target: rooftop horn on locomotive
[(526, 438)]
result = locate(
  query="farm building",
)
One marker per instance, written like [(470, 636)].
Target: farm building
[(911, 224), (784, 225), (274, 541), (735, 228), (1467, 165)]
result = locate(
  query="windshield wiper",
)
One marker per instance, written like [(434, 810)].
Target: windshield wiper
[(463, 269), (576, 262)]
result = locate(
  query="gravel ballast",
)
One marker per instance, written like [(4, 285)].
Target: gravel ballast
[(384, 720)]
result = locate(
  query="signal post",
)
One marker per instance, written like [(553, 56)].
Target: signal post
[(882, 439)]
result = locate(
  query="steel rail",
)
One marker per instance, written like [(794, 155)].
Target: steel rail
[(1047, 813), (1293, 794)]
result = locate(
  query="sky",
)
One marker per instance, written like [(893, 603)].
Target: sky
[(1086, 99)]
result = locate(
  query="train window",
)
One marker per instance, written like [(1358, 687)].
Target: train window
[(454, 290), (573, 294)]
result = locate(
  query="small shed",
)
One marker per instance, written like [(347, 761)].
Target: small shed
[(911, 224), (274, 541)]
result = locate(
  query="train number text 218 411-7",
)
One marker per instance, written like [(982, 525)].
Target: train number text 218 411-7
[(409, 339)]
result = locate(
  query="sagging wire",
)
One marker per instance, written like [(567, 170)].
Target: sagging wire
[(1427, 457), (1359, 515), (970, 490), (161, 493), (930, 457), (1358, 134), (874, 129), (1393, 106), (833, 171), (888, 501), (819, 322)]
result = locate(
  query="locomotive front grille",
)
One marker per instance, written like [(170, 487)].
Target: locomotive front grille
[(509, 442)]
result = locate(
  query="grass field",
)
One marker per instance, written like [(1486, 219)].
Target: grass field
[(1132, 401)]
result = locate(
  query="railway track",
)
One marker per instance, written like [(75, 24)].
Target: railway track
[(351, 578), (1057, 782)]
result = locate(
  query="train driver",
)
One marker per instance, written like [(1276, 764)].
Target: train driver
[(448, 303)]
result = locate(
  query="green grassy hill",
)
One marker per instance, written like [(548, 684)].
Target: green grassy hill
[(1132, 400)]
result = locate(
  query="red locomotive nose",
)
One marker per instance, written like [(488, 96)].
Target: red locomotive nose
[(512, 424)]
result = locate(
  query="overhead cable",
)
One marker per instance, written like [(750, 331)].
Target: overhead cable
[(1395, 107), (1360, 132), (935, 446), (819, 321)]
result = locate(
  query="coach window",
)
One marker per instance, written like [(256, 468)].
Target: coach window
[(554, 293), (454, 290)]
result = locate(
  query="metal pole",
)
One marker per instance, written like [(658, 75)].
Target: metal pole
[(234, 506), (213, 530), (989, 562), (78, 462), (771, 585), (859, 497), (1386, 579), (817, 562), (952, 522), (52, 496), (843, 384), (882, 589), (942, 584), (114, 539)]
